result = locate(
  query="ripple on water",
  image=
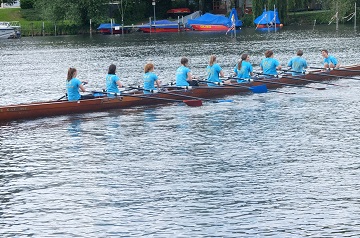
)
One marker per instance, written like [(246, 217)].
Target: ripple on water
[(265, 165)]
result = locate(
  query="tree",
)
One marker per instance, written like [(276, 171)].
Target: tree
[(343, 7), (79, 11)]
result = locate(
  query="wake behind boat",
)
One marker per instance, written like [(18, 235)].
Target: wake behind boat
[(174, 95)]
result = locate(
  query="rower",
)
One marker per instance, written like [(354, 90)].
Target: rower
[(213, 70), (243, 70), (150, 78), (113, 81), (297, 64), (329, 60), (183, 74), (73, 85), (269, 65)]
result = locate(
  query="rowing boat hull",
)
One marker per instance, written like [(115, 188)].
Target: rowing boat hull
[(55, 108)]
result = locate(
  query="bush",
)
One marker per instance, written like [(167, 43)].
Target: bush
[(248, 20), (27, 4)]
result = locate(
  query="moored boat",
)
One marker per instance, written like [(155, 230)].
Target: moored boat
[(167, 25), (112, 28), (211, 22), (268, 21), (9, 30), (175, 94), (163, 26)]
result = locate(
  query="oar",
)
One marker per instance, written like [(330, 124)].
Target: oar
[(280, 83), (254, 89), (185, 96), (257, 89), (62, 97), (308, 80), (338, 69), (191, 103)]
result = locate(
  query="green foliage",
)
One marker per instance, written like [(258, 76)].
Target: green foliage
[(248, 20), (344, 7), (27, 4), (31, 14), (78, 11), (309, 17), (257, 7)]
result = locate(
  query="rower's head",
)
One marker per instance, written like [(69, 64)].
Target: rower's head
[(324, 53), (149, 67), (299, 53), (212, 60), (112, 69), (184, 61), (71, 73), (269, 53), (245, 57)]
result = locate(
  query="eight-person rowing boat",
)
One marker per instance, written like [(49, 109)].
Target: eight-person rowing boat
[(186, 90), (189, 95)]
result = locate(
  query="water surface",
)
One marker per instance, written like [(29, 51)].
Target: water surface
[(266, 165)]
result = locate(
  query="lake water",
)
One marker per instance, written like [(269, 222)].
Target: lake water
[(265, 165)]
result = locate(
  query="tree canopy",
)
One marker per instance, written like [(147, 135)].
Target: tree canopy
[(81, 11)]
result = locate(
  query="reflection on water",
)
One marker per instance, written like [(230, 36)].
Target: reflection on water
[(264, 165)]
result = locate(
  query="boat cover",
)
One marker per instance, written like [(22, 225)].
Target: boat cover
[(161, 24), (212, 19), (268, 17), (107, 26), (172, 24)]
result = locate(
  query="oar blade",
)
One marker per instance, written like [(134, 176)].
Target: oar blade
[(259, 89), (223, 100), (193, 103)]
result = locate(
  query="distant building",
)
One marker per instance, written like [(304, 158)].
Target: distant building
[(224, 6), (5, 5)]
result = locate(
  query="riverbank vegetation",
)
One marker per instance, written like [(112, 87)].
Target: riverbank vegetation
[(43, 17)]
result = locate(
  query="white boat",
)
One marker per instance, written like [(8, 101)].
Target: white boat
[(9, 30)]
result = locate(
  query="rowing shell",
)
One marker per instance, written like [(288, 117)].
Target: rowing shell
[(64, 107)]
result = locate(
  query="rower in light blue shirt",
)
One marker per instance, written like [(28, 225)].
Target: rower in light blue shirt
[(183, 74), (269, 65), (73, 85), (213, 70), (112, 80), (150, 78), (243, 70), (297, 64)]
